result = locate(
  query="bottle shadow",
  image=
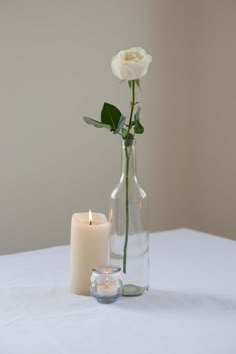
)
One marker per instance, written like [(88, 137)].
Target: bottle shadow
[(164, 300)]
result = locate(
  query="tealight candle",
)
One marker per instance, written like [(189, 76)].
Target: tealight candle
[(89, 246), (106, 284), (107, 290)]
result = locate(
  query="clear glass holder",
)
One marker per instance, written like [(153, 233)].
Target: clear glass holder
[(106, 284)]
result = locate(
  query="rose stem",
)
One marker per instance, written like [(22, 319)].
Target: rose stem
[(127, 178)]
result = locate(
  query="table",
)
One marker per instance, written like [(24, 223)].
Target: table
[(190, 308)]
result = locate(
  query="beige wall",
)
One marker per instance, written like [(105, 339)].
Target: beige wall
[(55, 67), (213, 117)]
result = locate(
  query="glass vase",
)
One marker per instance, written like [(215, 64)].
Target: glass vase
[(129, 241)]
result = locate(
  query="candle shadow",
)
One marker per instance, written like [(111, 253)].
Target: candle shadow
[(162, 300)]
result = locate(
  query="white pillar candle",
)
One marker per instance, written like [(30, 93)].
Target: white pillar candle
[(89, 248)]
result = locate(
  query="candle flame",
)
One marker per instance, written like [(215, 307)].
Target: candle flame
[(90, 217)]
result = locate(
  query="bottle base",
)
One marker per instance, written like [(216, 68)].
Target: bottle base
[(133, 290)]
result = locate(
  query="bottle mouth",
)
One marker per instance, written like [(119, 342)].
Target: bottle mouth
[(128, 142)]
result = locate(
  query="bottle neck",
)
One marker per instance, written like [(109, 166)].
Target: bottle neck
[(129, 160)]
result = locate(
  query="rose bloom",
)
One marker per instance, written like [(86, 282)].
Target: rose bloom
[(131, 64)]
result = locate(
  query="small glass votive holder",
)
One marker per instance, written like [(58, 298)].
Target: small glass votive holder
[(106, 284)]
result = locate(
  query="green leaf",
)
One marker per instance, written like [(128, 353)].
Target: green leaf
[(110, 115), (137, 114), (130, 83), (96, 123), (120, 124), (138, 128)]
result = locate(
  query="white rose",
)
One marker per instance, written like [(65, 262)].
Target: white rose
[(131, 64)]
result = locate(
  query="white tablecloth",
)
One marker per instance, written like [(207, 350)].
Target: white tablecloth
[(190, 308)]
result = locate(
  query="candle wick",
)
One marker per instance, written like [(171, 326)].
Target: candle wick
[(90, 222)]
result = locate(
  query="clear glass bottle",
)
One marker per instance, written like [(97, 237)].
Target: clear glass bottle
[(129, 241)]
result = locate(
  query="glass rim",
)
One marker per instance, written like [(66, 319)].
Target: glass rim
[(128, 142), (111, 269)]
